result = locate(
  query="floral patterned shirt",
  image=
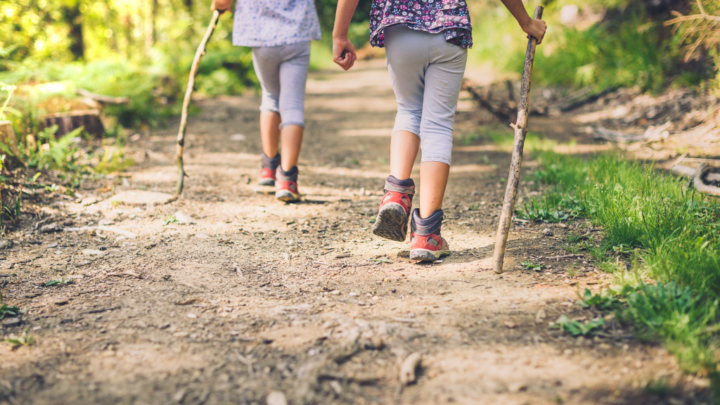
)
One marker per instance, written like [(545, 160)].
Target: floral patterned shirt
[(433, 16), (261, 23)]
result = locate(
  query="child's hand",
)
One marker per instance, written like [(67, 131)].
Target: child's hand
[(221, 5), (344, 53), (536, 28)]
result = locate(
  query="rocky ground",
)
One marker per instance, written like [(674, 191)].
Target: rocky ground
[(242, 296)]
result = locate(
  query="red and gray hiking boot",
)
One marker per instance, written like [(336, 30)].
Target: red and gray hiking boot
[(426, 244), (392, 218), (286, 188), (267, 171)]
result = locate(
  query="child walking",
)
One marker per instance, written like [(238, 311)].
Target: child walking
[(426, 45), (279, 32)]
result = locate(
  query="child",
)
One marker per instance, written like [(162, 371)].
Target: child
[(279, 32), (426, 48)]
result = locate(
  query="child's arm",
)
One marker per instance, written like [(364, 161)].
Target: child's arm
[(531, 26), (343, 50), (221, 5)]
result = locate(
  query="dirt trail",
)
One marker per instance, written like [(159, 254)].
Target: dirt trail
[(259, 296)]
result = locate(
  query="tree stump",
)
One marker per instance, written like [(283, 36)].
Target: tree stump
[(67, 122), (7, 138)]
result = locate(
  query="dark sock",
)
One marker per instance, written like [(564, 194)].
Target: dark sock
[(435, 216), (271, 164), (402, 183), (429, 225), (291, 174)]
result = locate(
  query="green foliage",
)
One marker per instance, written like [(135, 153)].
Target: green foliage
[(601, 301), (528, 265), (687, 322), (669, 232), (8, 310), (24, 340), (62, 281), (577, 328), (170, 220)]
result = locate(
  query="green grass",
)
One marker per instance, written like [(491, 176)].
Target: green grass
[(653, 227)]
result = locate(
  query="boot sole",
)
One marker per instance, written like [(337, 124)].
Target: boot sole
[(286, 196), (424, 255), (266, 183), (391, 223)]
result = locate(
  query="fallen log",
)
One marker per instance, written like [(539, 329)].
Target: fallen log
[(652, 134), (699, 175), (69, 121), (102, 98), (700, 184)]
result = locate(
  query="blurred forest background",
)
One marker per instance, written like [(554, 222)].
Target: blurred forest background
[(52, 50)]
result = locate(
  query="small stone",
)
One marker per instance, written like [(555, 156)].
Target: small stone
[(377, 342), (276, 398), (202, 235), (61, 301), (51, 228), (92, 252), (105, 222), (192, 316), (335, 292), (184, 219), (5, 243), (547, 232), (10, 322), (509, 325), (540, 316)]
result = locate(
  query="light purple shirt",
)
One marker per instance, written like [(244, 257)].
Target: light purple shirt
[(261, 23)]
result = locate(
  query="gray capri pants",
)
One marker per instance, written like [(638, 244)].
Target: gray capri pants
[(282, 71), (426, 73)]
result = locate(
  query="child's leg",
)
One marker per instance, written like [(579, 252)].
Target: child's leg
[(407, 59), (293, 75), (267, 68), (443, 80), (270, 132)]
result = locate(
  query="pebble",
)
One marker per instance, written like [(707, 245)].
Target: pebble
[(92, 252), (276, 398), (182, 218), (10, 322), (547, 232), (50, 228), (202, 235), (5, 243), (191, 316)]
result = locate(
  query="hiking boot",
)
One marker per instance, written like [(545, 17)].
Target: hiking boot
[(286, 188), (267, 171), (392, 217), (426, 244)]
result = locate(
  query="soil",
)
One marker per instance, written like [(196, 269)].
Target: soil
[(243, 295)]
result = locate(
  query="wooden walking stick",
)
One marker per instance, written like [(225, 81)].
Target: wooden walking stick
[(188, 95), (517, 153)]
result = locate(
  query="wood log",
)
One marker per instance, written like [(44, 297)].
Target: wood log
[(67, 122), (102, 98), (700, 185), (13, 159)]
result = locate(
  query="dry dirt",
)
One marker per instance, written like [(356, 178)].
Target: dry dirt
[(258, 296)]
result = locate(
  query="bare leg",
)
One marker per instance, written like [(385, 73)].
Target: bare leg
[(292, 136), (433, 179), (270, 132), (404, 147), (433, 175)]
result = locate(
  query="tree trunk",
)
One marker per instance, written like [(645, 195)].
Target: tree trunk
[(67, 122), (8, 141), (73, 16)]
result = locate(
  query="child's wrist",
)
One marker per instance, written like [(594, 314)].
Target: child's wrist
[(525, 22)]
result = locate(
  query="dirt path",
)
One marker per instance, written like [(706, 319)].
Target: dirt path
[(259, 296)]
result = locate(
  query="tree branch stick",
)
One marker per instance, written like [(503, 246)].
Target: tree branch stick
[(516, 162), (188, 95)]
